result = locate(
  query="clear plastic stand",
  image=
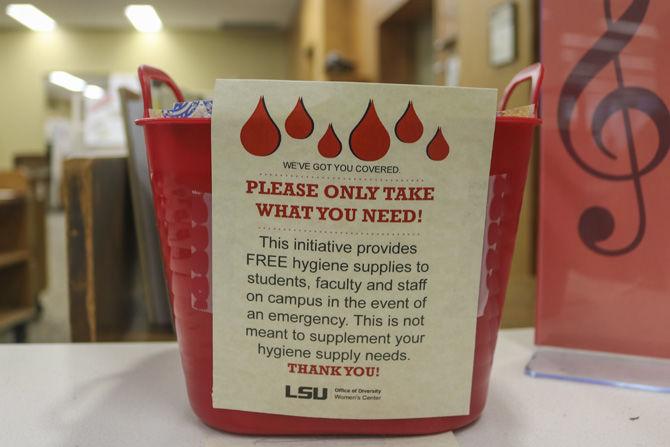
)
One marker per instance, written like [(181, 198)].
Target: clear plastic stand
[(601, 368)]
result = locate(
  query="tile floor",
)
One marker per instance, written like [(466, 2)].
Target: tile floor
[(54, 323)]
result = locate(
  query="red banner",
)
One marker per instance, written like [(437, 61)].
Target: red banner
[(604, 249)]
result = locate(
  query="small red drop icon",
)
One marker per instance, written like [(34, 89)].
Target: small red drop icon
[(369, 141), (409, 129), (260, 136), (299, 124), (437, 148), (329, 145)]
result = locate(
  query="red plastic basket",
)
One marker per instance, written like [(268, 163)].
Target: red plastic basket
[(180, 168)]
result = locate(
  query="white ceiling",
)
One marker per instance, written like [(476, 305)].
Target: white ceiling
[(192, 14)]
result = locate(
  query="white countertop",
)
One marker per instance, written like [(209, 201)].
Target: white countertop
[(133, 394)]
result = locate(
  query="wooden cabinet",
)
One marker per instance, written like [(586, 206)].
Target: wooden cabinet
[(17, 300), (106, 299), (36, 169)]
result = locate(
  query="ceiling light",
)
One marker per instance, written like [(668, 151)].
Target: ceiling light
[(67, 81), (30, 16), (94, 92), (144, 18)]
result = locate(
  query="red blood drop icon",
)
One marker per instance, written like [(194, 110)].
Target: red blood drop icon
[(329, 145), (369, 141), (409, 129), (260, 135), (299, 124), (437, 148)]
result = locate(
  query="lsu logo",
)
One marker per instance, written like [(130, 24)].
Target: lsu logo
[(306, 392)]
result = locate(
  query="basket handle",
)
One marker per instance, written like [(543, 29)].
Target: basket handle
[(147, 74), (533, 72)]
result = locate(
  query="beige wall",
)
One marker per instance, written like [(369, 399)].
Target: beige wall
[(369, 15), (473, 44), (472, 24), (194, 59), (476, 72), (322, 26), (309, 41)]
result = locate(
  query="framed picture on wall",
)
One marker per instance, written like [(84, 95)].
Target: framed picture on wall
[(502, 34)]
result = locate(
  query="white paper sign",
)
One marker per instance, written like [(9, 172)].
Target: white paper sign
[(347, 238)]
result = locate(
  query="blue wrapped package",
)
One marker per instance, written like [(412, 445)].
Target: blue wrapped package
[(200, 108)]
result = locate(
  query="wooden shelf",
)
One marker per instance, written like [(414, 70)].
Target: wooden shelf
[(10, 318), (10, 258), (17, 302), (10, 196)]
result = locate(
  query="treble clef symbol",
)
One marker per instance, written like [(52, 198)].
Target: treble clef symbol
[(596, 223)]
